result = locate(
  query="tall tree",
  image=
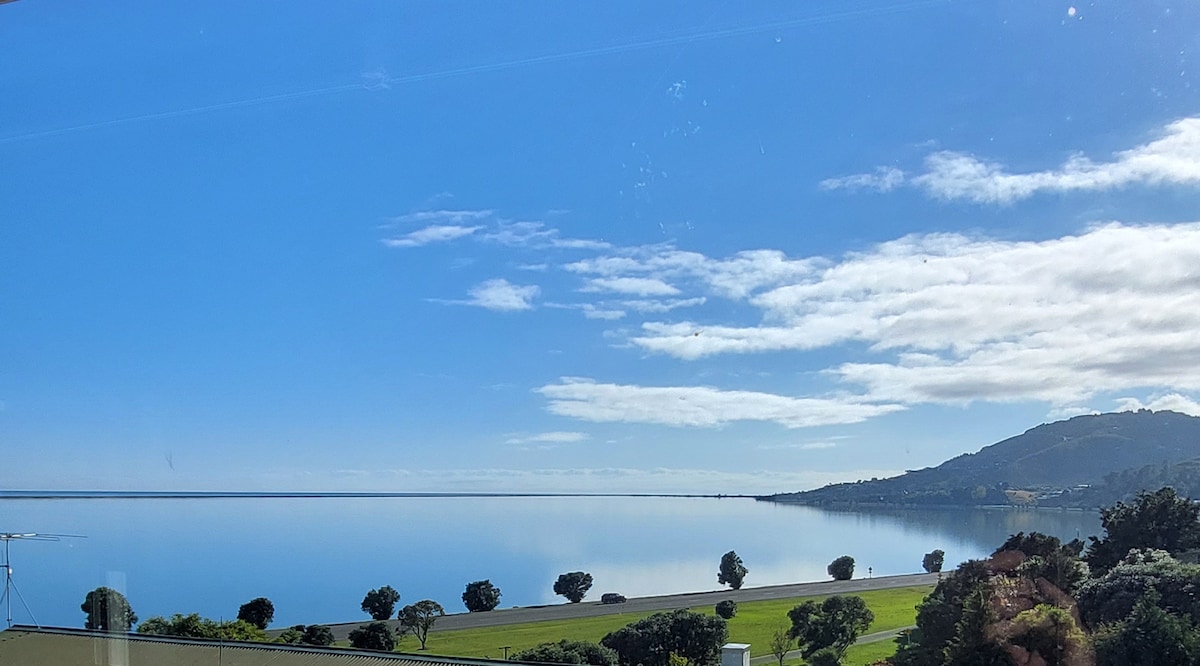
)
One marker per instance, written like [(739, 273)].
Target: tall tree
[(732, 571), (258, 612), (481, 596), (933, 560), (1160, 520), (380, 603), (107, 610), (842, 568), (373, 636), (573, 585), (419, 618)]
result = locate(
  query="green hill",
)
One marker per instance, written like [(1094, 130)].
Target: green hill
[(1075, 462)]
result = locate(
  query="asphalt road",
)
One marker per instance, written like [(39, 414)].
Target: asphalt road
[(566, 611)]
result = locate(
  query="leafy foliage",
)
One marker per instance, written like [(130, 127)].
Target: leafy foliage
[(834, 623), (317, 634), (373, 636), (380, 603), (732, 571), (651, 640), (933, 560), (574, 585), (481, 596), (195, 626), (825, 657), (1048, 558), (781, 643), (842, 568), (569, 652), (726, 609), (107, 610), (1112, 596), (1161, 520), (1149, 637), (420, 617), (258, 612)]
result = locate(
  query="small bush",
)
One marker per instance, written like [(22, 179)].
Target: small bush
[(726, 609)]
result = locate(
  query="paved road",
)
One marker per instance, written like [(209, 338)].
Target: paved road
[(660, 603)]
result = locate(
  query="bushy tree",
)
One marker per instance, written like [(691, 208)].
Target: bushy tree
[(195, 626), (569, 652), (291, 635), (650, 641), (1109, 598), (1149, 637), (317, 634), (419, 618), (933, 560), (835, 623), (573, 585), (726, 609), (732, 571), (842, 568), (481, 596), (380, 603), (107, 610), (1160, 520), (373, 636), (258, 612), (1048, 558)]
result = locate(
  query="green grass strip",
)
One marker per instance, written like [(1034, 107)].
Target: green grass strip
[(754, 624)]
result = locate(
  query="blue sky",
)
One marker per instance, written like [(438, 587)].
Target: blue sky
[(559, 246)]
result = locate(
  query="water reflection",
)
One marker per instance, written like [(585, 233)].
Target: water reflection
[(315, 558)]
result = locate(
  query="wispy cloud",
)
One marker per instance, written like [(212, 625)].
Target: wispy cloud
[(700, 406), (441, 217), (554, 437), (438, 233), (503, 296), (1173, 159), (638, 286), (954, 318), (538, 235), (883, 179)]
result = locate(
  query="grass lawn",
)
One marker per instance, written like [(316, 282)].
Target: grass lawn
[(754, 624)]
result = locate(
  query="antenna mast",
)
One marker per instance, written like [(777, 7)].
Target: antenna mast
[(10, 585)]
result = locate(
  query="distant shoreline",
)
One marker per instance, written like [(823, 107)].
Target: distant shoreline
[(220, 494)]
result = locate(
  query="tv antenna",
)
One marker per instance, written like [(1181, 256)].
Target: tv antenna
[(10, 585)]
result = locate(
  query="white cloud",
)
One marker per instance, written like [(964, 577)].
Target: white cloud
[(700, 406), (663, 305), (502, 295), (1173, 159), (1171, 401), (954, 319), (734, 277), (803, 446), (442, 217), (538, 235), (438, 233), (554, 437), (638, 286), (884, 179)]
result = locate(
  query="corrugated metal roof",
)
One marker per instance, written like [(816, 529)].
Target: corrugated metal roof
[(29, 646)]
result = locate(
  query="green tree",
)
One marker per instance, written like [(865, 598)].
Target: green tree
[(107, 610), (1110, 598), (481, 596), (574, 585), (1160, 520), (781, 643), (569, 652), (825, 657), (258, 612), (419, 618), (317, 634), (726, 609), (1048, 558), (939, 615), (651, 640), (373, 636), (1149, 637), (933, 560), (842, 568), (195, 626), (732, 571), (291, 635), (835, 623), (380, 603)]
